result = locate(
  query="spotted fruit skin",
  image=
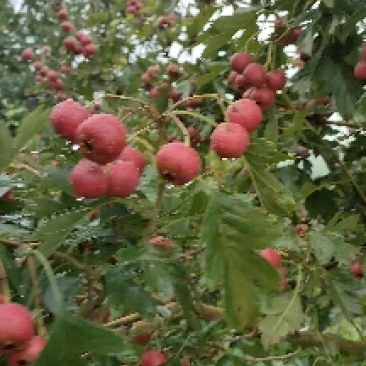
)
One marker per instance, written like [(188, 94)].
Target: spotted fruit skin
[(66, 118), (178, 163), (229, 140), (101, 137), (88, 180), (16, 327), (29, 354)]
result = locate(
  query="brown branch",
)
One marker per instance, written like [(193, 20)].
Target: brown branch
[(313, 339), (272, 358)]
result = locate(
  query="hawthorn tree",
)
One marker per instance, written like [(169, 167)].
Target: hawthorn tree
[(187, 185)]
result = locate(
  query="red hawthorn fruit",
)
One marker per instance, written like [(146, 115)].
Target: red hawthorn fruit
[(66, 26), (276, 79), (101, 137), (178, 163), (154, 92), (356, 269), (142, 339), (232, 77), (38, 65), (77, 49), (95, 214), (264, 96), (52, 75), (70, 43), (90, 49), (229, 140), (246, 113), (66, 118), (65, 69), (278, 23), (83, 38), (57, 85), (184, 361), (174, 95), (194, 135), (88, 179), (7, 196), (28, 54), (360, 70), (134, 155), (123, 178), (152, 357), (255, 74), (153, 69), (161, 241), (145, 77), (16, 327), (44, 71), (271, 256), (240, 60), (62, 14), (173, 71), (29, 354), (131, 9), (241, 83)]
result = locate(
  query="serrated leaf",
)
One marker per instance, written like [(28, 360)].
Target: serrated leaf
[(56, 229), (73, 336), (284, 316), (31, 125)]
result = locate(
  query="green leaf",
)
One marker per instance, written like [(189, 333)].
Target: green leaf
[(55, 230), (5, 146), (31, 125), (73, 336), (274, 196), (124, 294), (284, 316)]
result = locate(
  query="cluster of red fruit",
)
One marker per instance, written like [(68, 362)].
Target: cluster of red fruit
[(133, 6), (168, 20), (43, 73), (360, 67), (17, 339), (157, 83), (109, 167), (80, 42), (251, 78)]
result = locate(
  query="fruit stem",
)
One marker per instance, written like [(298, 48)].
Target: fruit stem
[(41, 329), (180, 124), (4, 282), (150, 228), (27, 168)]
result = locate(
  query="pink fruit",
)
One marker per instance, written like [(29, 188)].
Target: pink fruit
[(264, 96), (38, 65), (83, 38), (52, 75), (356, 269), (123, 178), (240, 60), (229, 140), (152, 357), (101, 137), (66, 26), (246, 113), (88, 180), (29, 354), (90, 49), (255, 74), (66, 118), (142, 339), (62, 14), (360, 70), (28, 54), (178, 163), (16, 327), (271, 256), (161, 241), (276, 79), (134, 155)]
